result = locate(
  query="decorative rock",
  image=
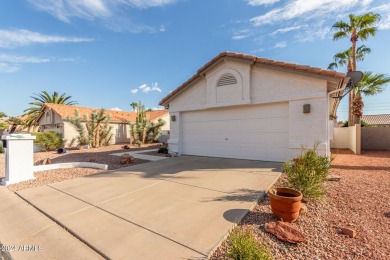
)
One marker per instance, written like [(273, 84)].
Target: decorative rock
[(333, 177), (348, 232), (126, 159), (44, 161), (303, 209), (126, 147), (285, 231)]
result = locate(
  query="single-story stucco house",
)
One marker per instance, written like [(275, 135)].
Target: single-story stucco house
[(246, 107), (52, 116)]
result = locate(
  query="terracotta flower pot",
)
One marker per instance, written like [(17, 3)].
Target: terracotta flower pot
[(285, 203)]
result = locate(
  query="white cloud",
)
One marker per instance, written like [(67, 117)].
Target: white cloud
[(261, 2), (155, 87), (280, 45), (116, 109), (12, 63), (317, 32), (7, 68), (146, 89), (240, 37), (158, 108), (306, 10), (21, 59), (21, 37), (286, 29), (142, 86), (147, 3), (384, 10), (110, 11)]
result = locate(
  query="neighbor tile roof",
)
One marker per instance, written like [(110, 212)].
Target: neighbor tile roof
[(255, 60), (383, 119), (116, 116)]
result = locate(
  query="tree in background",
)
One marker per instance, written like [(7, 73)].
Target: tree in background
[(358, 27), (82, 139), (3, 125), (142, 131), (97, 131), (134, 105), (370, 85), (42, 98), (344, 58)]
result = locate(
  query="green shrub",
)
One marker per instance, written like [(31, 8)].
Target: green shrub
[(49, 140), (1, 147), (242, 245), (163, 150), (307, 173)]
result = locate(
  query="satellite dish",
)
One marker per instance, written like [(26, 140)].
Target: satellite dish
[(354, 78)]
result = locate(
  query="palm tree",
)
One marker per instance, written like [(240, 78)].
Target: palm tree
[(344, 58), (42, 98), (359, 27), (134, 105), (370, 85)]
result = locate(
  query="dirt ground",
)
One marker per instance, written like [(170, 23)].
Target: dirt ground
[(360, 200)]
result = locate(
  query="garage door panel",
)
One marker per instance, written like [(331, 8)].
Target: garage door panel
[(274, 125), (231, 140), (276, 154), (252, 132), (267, 111)]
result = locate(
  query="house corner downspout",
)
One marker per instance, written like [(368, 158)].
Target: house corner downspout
[(343, 83)]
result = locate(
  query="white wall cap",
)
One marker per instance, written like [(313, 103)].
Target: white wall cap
[(18, 137)]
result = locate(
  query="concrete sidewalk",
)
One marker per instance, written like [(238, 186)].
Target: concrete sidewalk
[(179, 208), (26, 233)]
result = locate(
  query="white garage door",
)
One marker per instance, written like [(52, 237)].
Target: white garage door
[(256, 132)]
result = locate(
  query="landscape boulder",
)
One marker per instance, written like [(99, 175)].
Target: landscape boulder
[(126, 159), (285, 231), (44, 161)]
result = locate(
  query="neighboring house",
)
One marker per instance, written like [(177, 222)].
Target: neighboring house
[(52, 116), (242, 106), (377, 120)]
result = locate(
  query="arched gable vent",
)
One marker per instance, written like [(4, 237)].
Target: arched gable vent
[(226, 79)]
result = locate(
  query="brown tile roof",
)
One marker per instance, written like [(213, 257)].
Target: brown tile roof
[(255, 60), (383, 119), (116, 116)]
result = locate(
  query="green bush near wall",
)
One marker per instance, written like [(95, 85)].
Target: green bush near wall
[(49, 140)]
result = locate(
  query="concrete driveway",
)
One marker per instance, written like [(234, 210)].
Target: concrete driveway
[(179, 208)]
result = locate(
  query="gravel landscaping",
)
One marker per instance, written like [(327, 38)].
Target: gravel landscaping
[(360, 201), (98, 155)]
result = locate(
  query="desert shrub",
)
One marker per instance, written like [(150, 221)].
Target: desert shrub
[(49, 140), (163, 150), (243, 245), (308, 172)]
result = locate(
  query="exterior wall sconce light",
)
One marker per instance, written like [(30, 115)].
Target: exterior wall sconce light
[(306, 108), (173, 118)]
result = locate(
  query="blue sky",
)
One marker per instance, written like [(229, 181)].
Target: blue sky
[(109, 53)]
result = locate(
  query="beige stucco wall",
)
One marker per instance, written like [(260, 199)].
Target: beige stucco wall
[(347, 138), (375, 138), (261, 85)]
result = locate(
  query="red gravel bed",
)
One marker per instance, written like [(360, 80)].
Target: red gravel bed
[(360, 200)]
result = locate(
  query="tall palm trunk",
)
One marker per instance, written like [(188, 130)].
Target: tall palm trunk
[(351, 117)]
